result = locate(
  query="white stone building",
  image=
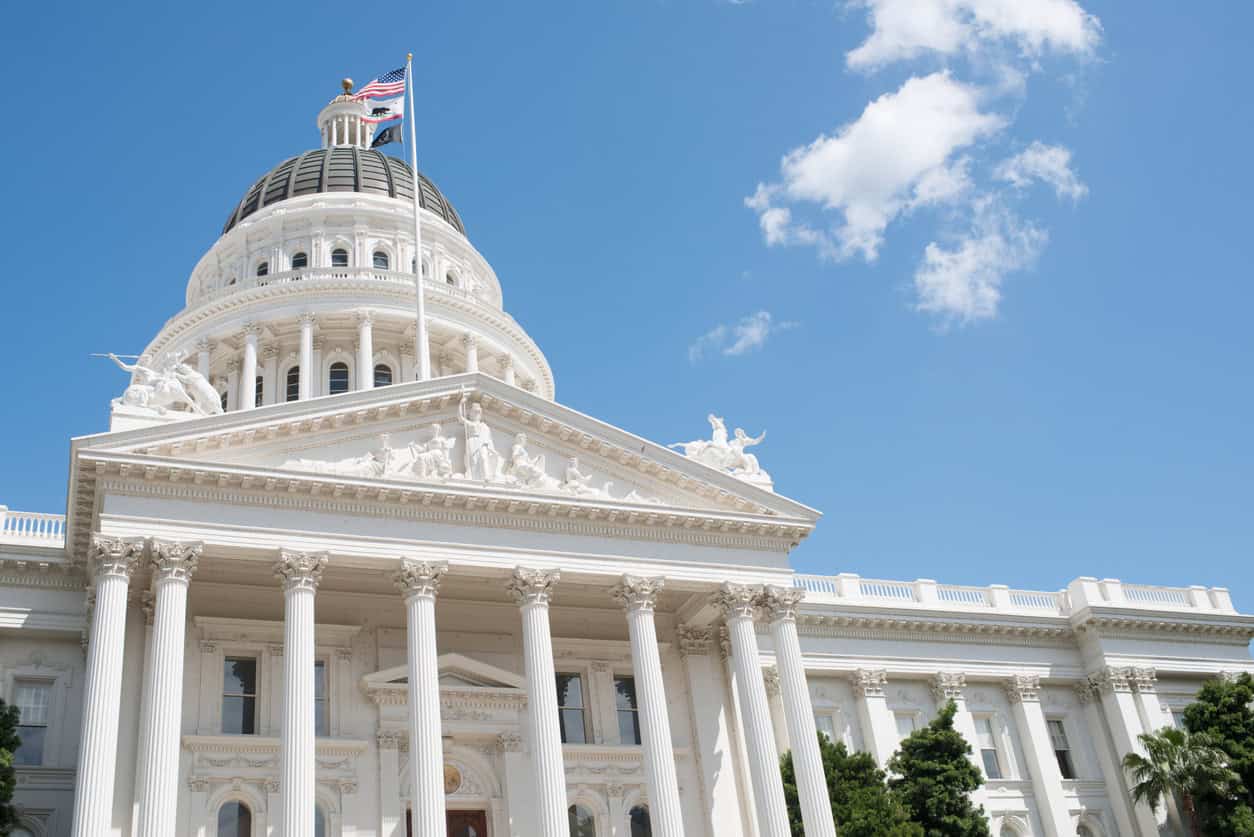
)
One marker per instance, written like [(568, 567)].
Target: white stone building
[(356, 603)]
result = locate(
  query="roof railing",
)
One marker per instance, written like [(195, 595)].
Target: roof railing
[(31, 528)]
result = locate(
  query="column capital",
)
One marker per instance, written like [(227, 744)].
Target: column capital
[(1112, 679), (770, 677), (419, 578), (116, 557), (948, 685), (1085, 692), (232, 365), (506, 361), (300, 570), (780, 603), (365, 317), (469, 339), (737, 601), (1023, 688), (204, 344), (694, 640), (637, 592), (1144, 680), (869, 682), (251, 330), (174, 560), (509, 742), (528, 586), (307, 318)]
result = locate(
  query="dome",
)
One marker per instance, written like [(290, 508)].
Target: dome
[(342, 169)]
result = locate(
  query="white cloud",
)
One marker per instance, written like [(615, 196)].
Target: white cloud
[(748, 334), (907, 29), (962, 284), (899, 154), (1050, 164)]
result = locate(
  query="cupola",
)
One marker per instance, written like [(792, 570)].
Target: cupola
[(341, 122)]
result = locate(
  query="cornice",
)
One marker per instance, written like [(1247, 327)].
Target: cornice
[(1169, 625), (264, 745), (935, 628)]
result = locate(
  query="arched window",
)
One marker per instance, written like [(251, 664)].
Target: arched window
[(224, 399), (582, 823), (1007, 831), (263, 268), (339, 257), (338, 381), (235, 820), (259, 391), (382, 375), (300, 260), (380, 260), (639, 819), (450, 278), (230, 281), (293, 383), (1083, 831), (320, 823)]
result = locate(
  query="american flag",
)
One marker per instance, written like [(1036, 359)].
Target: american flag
[(383, 87)]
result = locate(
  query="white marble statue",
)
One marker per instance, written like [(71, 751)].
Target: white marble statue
[(576, 482), (385, 461), (523, 469), (433, 459), (170, 383), (727, 455), (483, 463)]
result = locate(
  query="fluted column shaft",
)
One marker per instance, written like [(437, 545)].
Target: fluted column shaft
[(816, 806), (300, 573), (638, 596), (248, 375), (1024, 693), (306, 356), (419, 582), (532, 590), (173, 565), (739, 604), (472, 352), (114, 560), (365, 352), (202, 358)]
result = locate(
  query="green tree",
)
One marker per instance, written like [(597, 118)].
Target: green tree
[(933, 777), (1222, 711), (8, 779), (1177, 761), (861, 803)]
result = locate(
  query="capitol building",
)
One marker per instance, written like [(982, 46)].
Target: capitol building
[(327, 573)]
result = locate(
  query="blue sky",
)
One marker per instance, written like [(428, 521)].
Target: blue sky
[(992, 310)]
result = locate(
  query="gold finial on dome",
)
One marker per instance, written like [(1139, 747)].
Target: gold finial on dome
[(347, 84)]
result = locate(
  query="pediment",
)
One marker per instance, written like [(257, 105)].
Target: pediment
[(466, 433), (457, 671)]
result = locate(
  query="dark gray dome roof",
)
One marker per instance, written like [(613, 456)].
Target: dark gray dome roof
[(342, 169)]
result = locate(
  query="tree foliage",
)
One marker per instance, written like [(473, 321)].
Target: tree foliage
[(8, 779), (1222, 712), (861, 803), (1177, 761), (933, 777)]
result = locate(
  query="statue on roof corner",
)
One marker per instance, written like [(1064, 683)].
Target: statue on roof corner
[(169, 383), (728, 455)]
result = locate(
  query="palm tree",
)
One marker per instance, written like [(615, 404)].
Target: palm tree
[(1177, 762)]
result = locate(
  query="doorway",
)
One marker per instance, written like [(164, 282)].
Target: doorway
[(457, 823)]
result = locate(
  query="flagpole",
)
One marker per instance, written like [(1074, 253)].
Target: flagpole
[(421, 347)]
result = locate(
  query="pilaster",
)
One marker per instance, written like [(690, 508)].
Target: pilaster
[(1024, 693)]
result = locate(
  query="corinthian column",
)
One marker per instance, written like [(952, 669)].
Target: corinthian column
[(112, 560), (739, 604), (173, 565), (419, 582), (300, 572), (305, 375), (532, 590), (780, 605), (248, 378), (638, 596), (365, 350)]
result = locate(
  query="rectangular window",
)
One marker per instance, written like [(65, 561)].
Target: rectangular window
[(239, 696), (322, 716), (826, 726), (32, 701), (988, 747), (570, 709), (628, 711), (905, 725), (1062, 750)]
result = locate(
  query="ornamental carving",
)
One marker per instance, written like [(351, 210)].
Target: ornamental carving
[(528, 586), (1022, 688), (509, 742), (869, 682), (737, 601), (173, 560), (637, 593), (770, 677), (419, 578), (724, 643), (300, 570), (115, 557), (1144, 680), (948, 685), (694, 640), (1085, 691), (1112, 679), (389, 739), (780, 603)]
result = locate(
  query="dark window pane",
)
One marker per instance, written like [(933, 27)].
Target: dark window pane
[(300, 260), (260, 391), (235, 820), (339, 378), (582, 823), (380, 260), (625, 692), (382, 375), (240, 676), (339, 258), (293, 383), (263, 269), (569, 691), (992, 769), (572, 726), (629, 727), (1064, 764), (640, 825), (320, 680), (31, 750)]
